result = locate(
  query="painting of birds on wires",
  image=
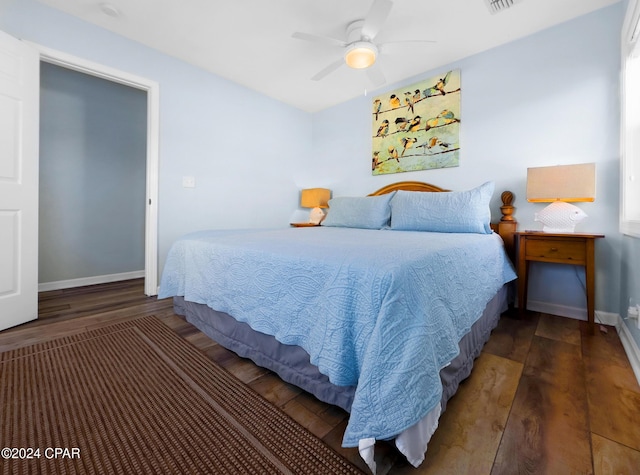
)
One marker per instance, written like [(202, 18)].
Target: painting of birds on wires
[(417, 127)]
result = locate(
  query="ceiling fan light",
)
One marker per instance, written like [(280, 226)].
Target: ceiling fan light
[(361, 55)]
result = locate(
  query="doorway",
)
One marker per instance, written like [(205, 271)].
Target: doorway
[(152, 138), (92, 180)]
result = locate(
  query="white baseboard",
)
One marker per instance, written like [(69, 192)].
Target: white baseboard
[(556, 309), (630, 347), (607, 318), (98, 279), (578, 313)]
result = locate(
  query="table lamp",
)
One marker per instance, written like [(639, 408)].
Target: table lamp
[(560, 185), (316, 198)]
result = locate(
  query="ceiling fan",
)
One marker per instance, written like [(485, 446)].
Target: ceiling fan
[(360, 51)]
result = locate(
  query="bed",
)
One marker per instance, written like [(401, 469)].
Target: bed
[(381, 310)]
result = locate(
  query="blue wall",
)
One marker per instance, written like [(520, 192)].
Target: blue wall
[(92, 176)]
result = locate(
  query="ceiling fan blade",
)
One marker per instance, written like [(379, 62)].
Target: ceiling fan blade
[(319, 39), (328, 70), (400, 46), (376, 17), (376, 76)]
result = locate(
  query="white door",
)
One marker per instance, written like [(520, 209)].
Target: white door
[(19, 116)]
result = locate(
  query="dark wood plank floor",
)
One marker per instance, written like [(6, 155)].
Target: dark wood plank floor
[(544, 397)]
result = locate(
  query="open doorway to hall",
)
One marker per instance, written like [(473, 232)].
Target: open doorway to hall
[(93, 161)]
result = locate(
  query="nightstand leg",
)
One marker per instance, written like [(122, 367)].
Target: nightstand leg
[(590, 278), (523, 277)]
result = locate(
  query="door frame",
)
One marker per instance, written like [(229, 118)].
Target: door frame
[(152, 89)]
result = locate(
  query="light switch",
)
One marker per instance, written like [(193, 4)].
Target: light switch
[(188, 182)]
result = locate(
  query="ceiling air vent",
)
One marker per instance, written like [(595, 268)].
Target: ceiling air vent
[(496, 6)]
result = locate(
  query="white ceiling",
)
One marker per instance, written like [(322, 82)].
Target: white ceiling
[(249, 41)]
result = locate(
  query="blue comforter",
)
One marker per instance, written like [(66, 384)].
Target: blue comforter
[(380, 309)]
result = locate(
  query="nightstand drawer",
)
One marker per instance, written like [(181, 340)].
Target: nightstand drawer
[(574, 250)]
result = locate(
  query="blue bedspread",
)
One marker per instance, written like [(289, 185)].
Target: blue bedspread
[(380, 309)]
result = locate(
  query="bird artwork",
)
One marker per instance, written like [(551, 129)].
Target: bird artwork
[(401, 123), (393, 153), (408, 100), (434, 142), (438, 88), (377, 105), (417, 126), (383, 130), (375, 161), (415, 123), (445, 117), (407, 143)]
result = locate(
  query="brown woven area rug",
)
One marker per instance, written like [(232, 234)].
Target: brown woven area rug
[(136, 398)]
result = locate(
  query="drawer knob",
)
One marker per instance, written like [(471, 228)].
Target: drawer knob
[(554, 249)]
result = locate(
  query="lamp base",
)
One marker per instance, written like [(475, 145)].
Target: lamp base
[(560, 217), (316, 216)]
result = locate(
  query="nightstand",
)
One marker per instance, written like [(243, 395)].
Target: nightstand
[(575, 248), (303, 225)]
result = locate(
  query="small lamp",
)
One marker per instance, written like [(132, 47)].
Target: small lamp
[(560, 185), (315, 198)]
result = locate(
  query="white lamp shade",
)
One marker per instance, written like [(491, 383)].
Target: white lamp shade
[(562, 183)]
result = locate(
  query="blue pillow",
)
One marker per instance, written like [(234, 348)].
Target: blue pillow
[(368, 212), (443, 212)]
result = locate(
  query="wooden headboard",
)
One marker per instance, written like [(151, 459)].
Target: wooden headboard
[(506, 227)]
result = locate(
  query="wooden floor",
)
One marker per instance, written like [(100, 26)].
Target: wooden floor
[(544, 395)]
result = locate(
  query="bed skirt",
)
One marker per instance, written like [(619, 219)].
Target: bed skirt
[(292, 363)]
